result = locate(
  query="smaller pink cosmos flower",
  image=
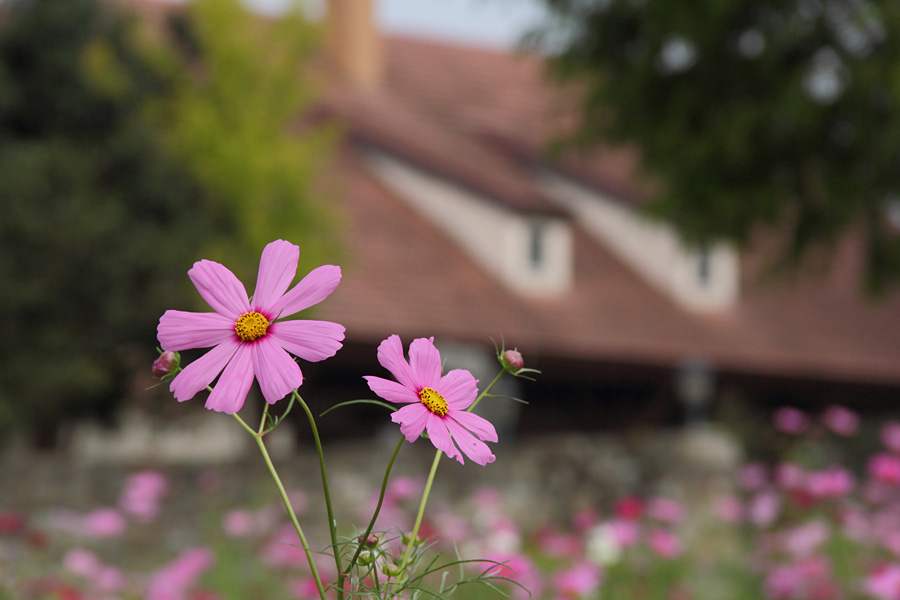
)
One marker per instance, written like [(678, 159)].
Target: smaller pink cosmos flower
[(248, 337), (434, 403), (790, 420), (841, 420)]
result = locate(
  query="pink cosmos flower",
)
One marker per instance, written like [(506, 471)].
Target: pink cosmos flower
[(174, 580), (142, 493), (790, 420), (434, 403), (890, 436), (665, 510), (664, 543), (841, 420), (248, 337), (884, 582)]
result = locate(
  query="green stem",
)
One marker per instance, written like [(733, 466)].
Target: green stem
[(485, 391), (287, 504), (332, 527), (415, 532), (384, 482)]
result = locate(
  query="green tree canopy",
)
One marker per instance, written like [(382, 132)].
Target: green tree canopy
[(235, 119), (98, 224), (780, 113)]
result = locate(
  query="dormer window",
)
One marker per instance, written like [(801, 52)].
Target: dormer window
[(704, 266), (536, 246)]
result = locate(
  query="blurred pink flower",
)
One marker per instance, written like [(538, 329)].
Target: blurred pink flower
[(665, 510), (884, 582), (626, 533), (248, 339), (629, 507), (578, 581), (790, 476), (841, 420), (803, 540), (885, 468), (103, 523), (664, 543), (752, 476), (764, 508), (790, 420), (141, 494), (834, 482), (729, 509), (238, 523), (284, 549), (434, 403), (557, 544), (890, 436), (174, 580), (519, 568)]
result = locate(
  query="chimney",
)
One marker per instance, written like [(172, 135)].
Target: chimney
[(353, 43)]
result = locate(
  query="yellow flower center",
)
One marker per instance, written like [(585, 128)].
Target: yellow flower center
[(251, 326), (433, 401)]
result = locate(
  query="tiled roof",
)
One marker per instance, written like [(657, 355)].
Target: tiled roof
[(478, 117)]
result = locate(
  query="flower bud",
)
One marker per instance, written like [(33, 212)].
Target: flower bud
[(168, 362), (365, 558), (390, 569), (369, 542), (513, 360)]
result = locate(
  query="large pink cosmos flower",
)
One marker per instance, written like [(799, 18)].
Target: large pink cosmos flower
[(435, 403), (248, 340)]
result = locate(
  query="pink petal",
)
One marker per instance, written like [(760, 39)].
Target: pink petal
[(440, 436), (277, 269), (391, 390), (390, 356), (180, 330), (311, 290), (412, 419), (200, 373), (220, 288), (469, 444), (231, 389), (459, 388), (480, 426), (275, 370), (425, 361), (310, 340)]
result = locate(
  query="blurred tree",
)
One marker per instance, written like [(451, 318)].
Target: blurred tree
[(98, 225), (782, 113), (234, 119)]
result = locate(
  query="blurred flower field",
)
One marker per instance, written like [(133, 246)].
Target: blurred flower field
[(815, 522)]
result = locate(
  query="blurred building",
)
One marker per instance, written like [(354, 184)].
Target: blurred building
[(460, 225)]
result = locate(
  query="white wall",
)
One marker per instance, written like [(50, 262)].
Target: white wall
[(498, 239), (652, 249)]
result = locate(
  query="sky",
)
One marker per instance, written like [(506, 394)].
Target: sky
[(492, 23)]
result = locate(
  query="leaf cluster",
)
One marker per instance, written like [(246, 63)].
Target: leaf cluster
[(780, 114)]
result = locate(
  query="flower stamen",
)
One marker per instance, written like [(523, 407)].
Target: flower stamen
[(251, 326), (433, 401)]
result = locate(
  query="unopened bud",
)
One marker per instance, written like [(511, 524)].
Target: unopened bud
[(390, 569), (513, 360), (166, 363), (365, 558), (370, 541)]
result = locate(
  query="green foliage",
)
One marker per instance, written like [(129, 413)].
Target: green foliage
[(233, 119), (781, 113), (97, 222)]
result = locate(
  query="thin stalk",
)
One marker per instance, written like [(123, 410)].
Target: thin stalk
[(332, 528), (287, 504), (485, 391), (384, 482), (415, 532)]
